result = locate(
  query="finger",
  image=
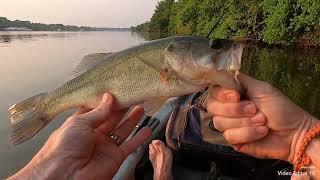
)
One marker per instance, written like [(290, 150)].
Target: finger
[(264, 149), (99, 115), (245, 134), (112, 121), (82, 110), (223, 123), (126, 128), (132, 144), (241, 109), (256, 88), (224, 95), (125, 117)]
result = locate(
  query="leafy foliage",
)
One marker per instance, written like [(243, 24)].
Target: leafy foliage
[(276, 14), (270, 21)]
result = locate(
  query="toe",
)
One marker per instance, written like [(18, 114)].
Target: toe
[(162, 163), (160, 146), (156, 144), (152, 157), (151, 153), (152, 149)]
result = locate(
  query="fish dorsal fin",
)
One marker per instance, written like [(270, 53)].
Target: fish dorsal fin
[(87, 63)]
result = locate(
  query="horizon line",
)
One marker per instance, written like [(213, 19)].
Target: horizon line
[(68, 24)]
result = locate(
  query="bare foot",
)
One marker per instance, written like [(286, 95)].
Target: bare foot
[(161, 160)]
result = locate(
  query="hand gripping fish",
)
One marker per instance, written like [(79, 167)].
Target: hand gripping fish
[(146, 74)]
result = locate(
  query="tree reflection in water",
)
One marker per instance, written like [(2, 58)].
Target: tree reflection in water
[(296, 72)]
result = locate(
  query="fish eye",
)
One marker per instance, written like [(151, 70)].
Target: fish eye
[(216, 44)]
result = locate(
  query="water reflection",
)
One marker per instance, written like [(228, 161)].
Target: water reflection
[(151, 36), (26, 36), (35, 62), (296, 72)]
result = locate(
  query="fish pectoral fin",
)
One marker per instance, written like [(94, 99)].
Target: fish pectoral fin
[(153, 106), (87, 63), (164, 76), (165, 73), (148, 63)]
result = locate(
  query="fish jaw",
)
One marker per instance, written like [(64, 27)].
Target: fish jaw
[(227, 68), (236, 55), (198, 64)]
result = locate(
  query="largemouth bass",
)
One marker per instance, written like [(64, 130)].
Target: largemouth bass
[(147, 74)]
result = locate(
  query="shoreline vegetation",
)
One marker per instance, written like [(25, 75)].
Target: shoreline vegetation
[(271, 22), (17, 25)]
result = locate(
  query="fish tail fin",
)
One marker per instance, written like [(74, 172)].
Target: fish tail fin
[(27, 118)]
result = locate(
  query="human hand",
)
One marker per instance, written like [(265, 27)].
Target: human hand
[(82, 149), (267, 125)]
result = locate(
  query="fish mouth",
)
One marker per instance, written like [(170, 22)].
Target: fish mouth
[(235, 64), (235, 57), (229, 66)]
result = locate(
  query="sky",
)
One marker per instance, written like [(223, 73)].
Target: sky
[(95, 13)]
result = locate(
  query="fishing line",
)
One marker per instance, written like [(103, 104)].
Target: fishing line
[(218, 21), (214, 26)]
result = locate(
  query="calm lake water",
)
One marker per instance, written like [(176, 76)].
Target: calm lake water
[(34, 62)]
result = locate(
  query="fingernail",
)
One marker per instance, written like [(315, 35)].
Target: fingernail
[(262, 129), (230, 96), (258, 119), (249, 109), (106, 97)]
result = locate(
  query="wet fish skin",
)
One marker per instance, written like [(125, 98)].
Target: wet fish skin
[(148, 73)]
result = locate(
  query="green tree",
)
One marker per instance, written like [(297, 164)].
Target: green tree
[(160, 20), (276, 14), (270, 21)]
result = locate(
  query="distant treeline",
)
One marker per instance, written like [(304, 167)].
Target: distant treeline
[(270, 21), (5, 24)]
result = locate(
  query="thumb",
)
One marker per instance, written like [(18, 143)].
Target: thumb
[(255, 88)]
